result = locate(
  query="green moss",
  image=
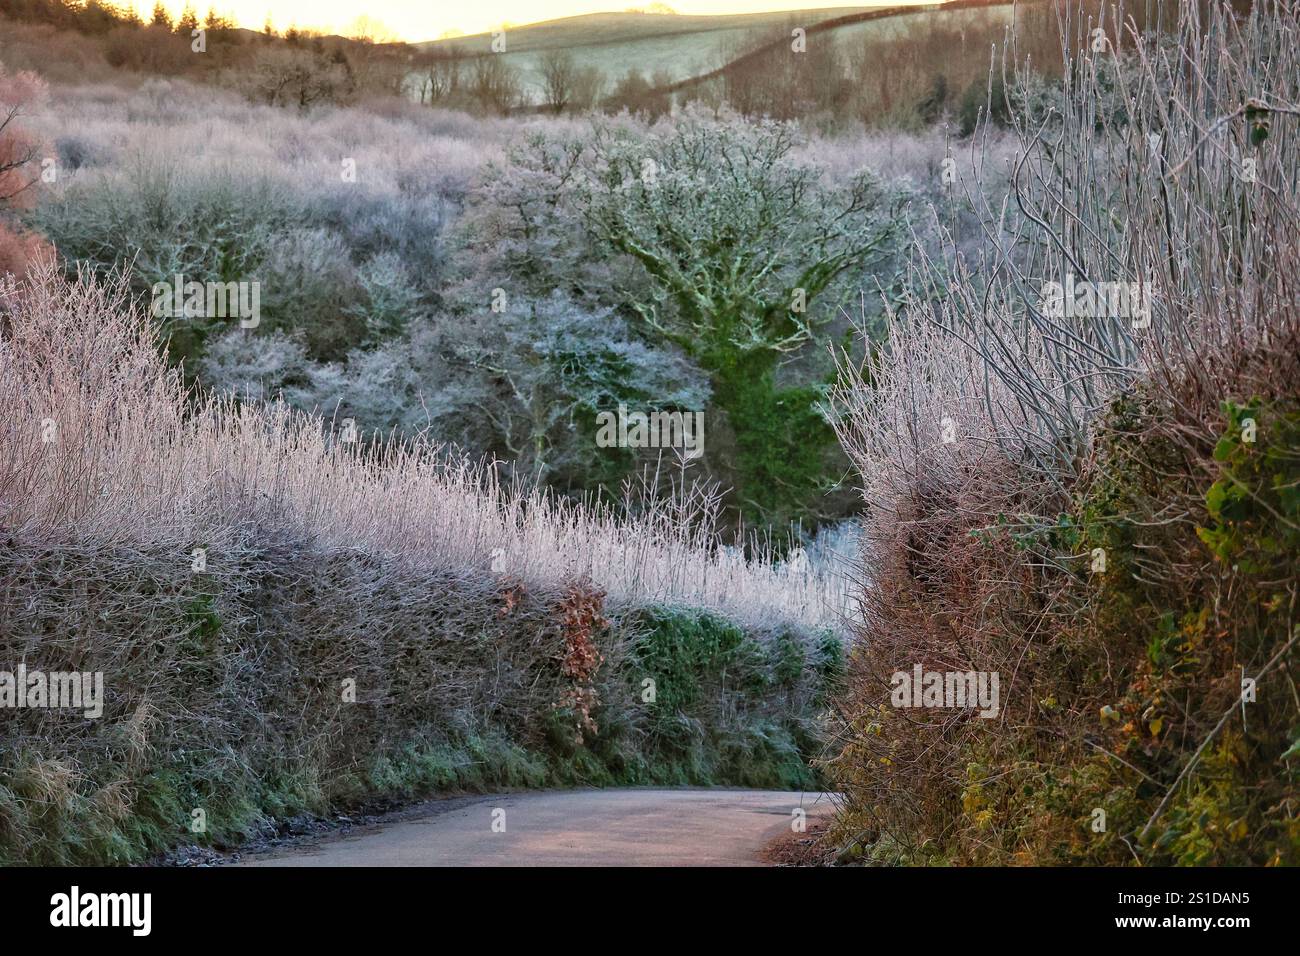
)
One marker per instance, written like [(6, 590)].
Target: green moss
[(697, 661), (788, 659), (686, 651)]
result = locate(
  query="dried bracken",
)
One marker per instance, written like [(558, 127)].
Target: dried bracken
[(581, 621)]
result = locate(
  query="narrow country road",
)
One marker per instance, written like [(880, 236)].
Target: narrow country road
[(574, 828)]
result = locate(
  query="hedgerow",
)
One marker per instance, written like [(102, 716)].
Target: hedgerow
[(1101, 507), (288, 622)]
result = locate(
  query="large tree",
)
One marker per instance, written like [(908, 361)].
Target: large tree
[(559, 79), (742, 242), (494, 84)]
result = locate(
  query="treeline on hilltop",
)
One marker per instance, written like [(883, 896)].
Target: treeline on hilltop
[(294, 68)]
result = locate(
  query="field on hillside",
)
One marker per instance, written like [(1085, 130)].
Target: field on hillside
[(671, 49), (609, 28), (677, 48), (885, 65)]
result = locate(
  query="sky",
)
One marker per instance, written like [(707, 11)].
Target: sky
[(429, 19)]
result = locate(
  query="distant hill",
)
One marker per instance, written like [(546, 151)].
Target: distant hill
[(692, 49), (602, 29)]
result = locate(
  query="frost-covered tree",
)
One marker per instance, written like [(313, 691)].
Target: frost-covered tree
[(741, 241), (559, 79), (740, 238), (524, 385), (391, 299), (535, 377), (713, 236), (19, 150)]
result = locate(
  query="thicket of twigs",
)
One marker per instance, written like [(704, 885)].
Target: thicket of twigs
[(1104, 511)]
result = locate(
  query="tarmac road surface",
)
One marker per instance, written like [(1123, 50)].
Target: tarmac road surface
[(632, 827)]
